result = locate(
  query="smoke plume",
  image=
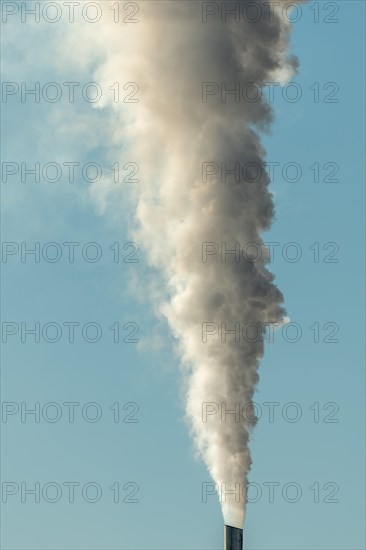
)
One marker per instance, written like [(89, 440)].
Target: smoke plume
[(179, 124)]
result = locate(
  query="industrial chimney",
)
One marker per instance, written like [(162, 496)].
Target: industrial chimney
[(233, 538)]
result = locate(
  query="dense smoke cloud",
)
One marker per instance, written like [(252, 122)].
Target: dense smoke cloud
[(179, 123)]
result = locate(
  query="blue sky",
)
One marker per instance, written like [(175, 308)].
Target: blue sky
[(318, 458)]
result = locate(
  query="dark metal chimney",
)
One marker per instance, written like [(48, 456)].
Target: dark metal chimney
[(233, 538)]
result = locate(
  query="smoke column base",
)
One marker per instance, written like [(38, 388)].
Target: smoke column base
[(233, 538)]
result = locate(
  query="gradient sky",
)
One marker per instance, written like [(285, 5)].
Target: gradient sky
[(322, 453)]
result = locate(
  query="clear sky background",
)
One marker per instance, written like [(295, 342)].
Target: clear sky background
[(321, 455)]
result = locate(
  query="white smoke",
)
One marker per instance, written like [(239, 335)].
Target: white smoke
[(171, 132)]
